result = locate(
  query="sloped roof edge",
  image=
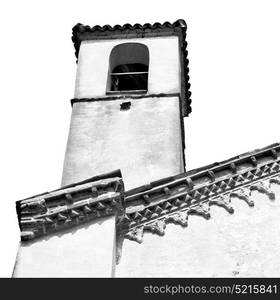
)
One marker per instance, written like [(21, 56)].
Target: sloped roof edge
[(71, 205), (272, 149), (173, 199)]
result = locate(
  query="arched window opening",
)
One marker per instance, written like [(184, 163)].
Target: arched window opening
[(129, 69)]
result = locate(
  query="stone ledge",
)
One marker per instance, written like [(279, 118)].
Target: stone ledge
[(71, 205)]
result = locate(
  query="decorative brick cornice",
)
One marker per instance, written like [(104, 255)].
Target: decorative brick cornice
[(82, 32), (71, 205), (173, 199)]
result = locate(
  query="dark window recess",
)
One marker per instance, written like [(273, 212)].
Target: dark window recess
[(129, 77), (129, 67), (125, 105)]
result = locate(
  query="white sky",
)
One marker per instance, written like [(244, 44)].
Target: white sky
[(234, 52)]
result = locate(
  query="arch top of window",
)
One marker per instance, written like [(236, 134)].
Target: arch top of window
[(128, 69)]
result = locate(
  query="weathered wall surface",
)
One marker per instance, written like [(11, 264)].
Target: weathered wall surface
[(144, 141), (93, 65), (85, 251), (243, 244)]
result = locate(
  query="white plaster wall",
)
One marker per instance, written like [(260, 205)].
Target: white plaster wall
[(244, 244), (93, 65), (84, 251), (144, 141)]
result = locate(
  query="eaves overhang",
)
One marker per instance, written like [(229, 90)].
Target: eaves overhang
[(71, 205), (151, 207)]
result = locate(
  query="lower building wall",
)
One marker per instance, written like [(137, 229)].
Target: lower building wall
[(243, 244), (143, 141), (84, 251)]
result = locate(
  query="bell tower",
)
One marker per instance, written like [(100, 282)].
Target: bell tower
[(131, 95)]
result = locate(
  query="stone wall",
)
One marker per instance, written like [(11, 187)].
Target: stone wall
[(143, 141), (83, 251)]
